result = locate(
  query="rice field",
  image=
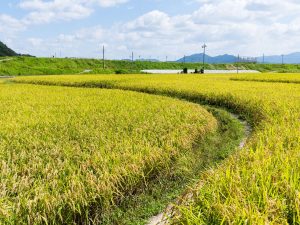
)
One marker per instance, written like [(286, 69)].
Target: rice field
[(259, 184), (272, 78), (69, 154)]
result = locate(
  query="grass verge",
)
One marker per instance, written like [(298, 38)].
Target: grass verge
[(19, 66)]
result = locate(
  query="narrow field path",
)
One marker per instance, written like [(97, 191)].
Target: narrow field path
[(164, 217), (5, 77), (3, 60)]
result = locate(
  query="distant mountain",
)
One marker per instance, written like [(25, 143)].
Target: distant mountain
[(6, 51), (224, 59), (209, 59), (293, 58)]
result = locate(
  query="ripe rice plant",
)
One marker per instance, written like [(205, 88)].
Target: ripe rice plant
[(258, 185), (69, 154), (273, 78)]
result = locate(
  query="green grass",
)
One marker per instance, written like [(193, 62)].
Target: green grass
[(69, 155), (53, 66), (258, 185)]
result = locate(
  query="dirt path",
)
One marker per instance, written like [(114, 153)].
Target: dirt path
[(3, 60), (164, 217)]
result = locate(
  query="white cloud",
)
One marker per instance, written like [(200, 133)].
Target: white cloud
[(35, 42), (110, 3), (57, 4), (10, 25), (151, 21), (248, 27), (47, 11)]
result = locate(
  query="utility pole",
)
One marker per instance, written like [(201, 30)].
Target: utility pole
[(263, 58), (103, 58), (204, 51), (237, 64), (166, 58), (132, 56), (282, 61)]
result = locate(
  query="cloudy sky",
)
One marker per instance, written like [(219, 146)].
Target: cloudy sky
[(150, 28)]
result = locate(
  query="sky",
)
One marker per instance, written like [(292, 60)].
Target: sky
[(150, 28)]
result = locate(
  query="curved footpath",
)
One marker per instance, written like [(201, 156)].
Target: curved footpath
[(6, 77)]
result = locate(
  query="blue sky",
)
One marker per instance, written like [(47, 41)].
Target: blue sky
[(150, 28)]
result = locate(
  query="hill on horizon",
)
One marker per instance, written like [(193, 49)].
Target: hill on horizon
[(209, 59), (293, 58), (6, 51)]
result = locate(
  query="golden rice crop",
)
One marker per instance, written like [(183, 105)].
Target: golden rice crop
[(67, 153), (270, 77), (258, 185)]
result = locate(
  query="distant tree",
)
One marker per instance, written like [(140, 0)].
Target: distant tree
[(6, 51)]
